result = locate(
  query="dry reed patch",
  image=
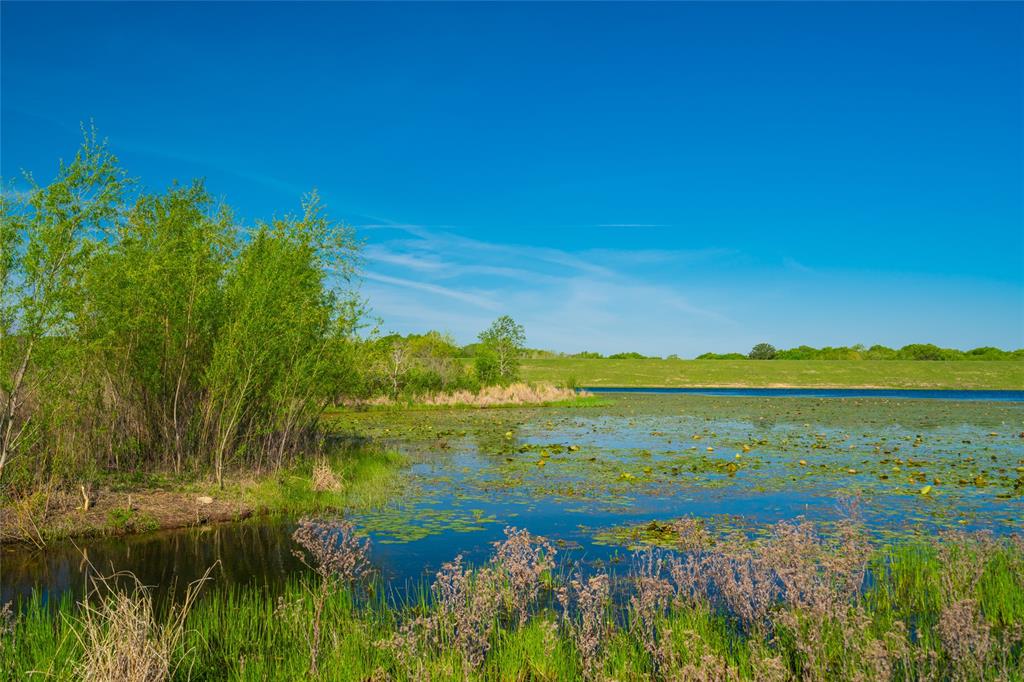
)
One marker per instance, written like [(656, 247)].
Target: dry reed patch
[(513, 394), (120, 636), (491, 396), (324, 478)]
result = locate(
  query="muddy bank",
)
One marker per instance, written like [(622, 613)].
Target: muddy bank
[(62, 514)]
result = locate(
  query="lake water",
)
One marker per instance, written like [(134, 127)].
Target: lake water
[(599, 479), (905, 393)]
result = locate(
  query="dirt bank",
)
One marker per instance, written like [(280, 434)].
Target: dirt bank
[(113, 513)]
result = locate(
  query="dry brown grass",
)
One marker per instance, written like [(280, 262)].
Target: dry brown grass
[(324, 478), (121, 639), (492, 396)]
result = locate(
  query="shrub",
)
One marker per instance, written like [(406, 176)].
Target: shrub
[(486, 367), (922, 351), (762, 351)]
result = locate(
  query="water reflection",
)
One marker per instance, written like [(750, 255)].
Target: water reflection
[(257, 553)]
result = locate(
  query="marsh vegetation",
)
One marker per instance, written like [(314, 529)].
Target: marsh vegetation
[(164, 367), (791, 605)]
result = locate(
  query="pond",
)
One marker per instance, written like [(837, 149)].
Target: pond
[(600, 479)]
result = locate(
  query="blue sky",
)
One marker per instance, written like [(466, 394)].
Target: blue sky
[(659, 178)]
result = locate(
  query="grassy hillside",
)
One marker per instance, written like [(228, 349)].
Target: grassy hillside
[(766, 373)]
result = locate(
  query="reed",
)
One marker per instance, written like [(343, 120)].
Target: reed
[(489, 396), (791, 606)]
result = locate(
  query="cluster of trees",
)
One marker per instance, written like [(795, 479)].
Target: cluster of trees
[(766, 351), (630, 355), (141, 328), (149, 329), (418, 364), (914, 351)]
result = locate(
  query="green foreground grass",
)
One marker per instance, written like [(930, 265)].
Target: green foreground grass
[(921, 617), (778, 373)]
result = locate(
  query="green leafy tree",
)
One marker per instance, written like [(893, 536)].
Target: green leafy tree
[(156, 305), (48, 235), (922, 351), (762, 351), (153, 330), (435, 362), (502, 347), (485, 365), (879, 352), (268, 378)]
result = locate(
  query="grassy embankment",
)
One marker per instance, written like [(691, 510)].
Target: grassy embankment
[(791, 608), (779, 373), (358, 478)]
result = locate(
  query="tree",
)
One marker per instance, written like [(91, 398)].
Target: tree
[(153, 329), (922, 351), (485, 364), (503, 341), (435, 362), (762, 351), (48, 236), (394, 360)]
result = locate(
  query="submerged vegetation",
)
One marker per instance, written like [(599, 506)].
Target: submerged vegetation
[(650, 457), (791, 605)]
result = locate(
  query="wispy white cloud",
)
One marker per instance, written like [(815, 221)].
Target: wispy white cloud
[(414, 261), (599, 299), (794, 264), (387, 225), (465, 297), (632, 225)]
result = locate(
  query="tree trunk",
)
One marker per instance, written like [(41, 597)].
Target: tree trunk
[(7, 436)]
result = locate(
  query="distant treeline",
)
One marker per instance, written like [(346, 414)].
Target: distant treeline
[(914, 351), (764, 351)]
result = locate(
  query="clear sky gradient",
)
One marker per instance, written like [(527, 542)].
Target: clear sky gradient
[(659, 178)]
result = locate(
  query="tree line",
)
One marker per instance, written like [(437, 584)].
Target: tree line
[(913, 351), (399, 366), (766, 351), (150, 329)]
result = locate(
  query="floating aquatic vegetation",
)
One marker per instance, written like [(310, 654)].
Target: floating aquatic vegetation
[(916, 464)]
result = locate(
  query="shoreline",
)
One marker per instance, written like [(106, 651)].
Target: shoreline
[(817, 374)]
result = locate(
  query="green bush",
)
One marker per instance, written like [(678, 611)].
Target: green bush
[(762, 351)]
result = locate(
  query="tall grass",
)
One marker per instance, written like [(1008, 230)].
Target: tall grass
[(788, 607), (488, 396)]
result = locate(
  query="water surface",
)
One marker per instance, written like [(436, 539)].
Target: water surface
[(595, 478), (907, 393)]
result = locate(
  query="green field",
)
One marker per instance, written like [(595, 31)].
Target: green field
[(780, 373)]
